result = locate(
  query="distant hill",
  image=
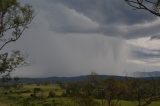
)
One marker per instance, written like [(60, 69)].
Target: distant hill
[(141, 75), (63, 79), (147, 74)]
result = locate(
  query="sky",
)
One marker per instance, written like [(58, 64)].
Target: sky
[(77, 37)]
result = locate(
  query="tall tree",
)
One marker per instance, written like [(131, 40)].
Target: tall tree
[(14, 20), (152, 6)]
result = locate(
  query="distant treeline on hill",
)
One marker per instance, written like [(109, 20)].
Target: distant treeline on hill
[(63, 79), (73, 79)]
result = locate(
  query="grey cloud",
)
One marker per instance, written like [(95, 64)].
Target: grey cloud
[(108, 17), (67, 38), (144, 55), (107, 11), (66, 20), (154, 37)]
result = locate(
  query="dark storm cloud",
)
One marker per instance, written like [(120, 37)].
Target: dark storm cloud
[(108, 17), (113, 18), (107, 11)]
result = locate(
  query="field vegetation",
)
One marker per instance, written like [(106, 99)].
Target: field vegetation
[(92, 92)]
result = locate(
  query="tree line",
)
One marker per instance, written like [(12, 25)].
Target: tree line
[(111, 91)]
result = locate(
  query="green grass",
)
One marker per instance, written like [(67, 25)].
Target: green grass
[(45, 88), (21, 97)]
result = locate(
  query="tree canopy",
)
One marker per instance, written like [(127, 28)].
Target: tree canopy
[(14, 20)]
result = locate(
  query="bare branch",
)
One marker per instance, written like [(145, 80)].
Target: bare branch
[(148, 5)]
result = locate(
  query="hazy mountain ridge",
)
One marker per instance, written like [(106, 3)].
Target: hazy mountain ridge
[(147, 74), (54, 79), (64, 79)]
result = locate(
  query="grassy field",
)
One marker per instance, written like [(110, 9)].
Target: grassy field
[(22, 97)]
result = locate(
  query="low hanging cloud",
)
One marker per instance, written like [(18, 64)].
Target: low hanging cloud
[(76, 37)]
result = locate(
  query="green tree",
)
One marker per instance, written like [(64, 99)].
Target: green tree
[(14, 20), (16, 82), (36, 91), (143, 91), (113, 92)]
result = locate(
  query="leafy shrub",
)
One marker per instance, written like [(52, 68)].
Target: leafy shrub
[(51, 94)]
